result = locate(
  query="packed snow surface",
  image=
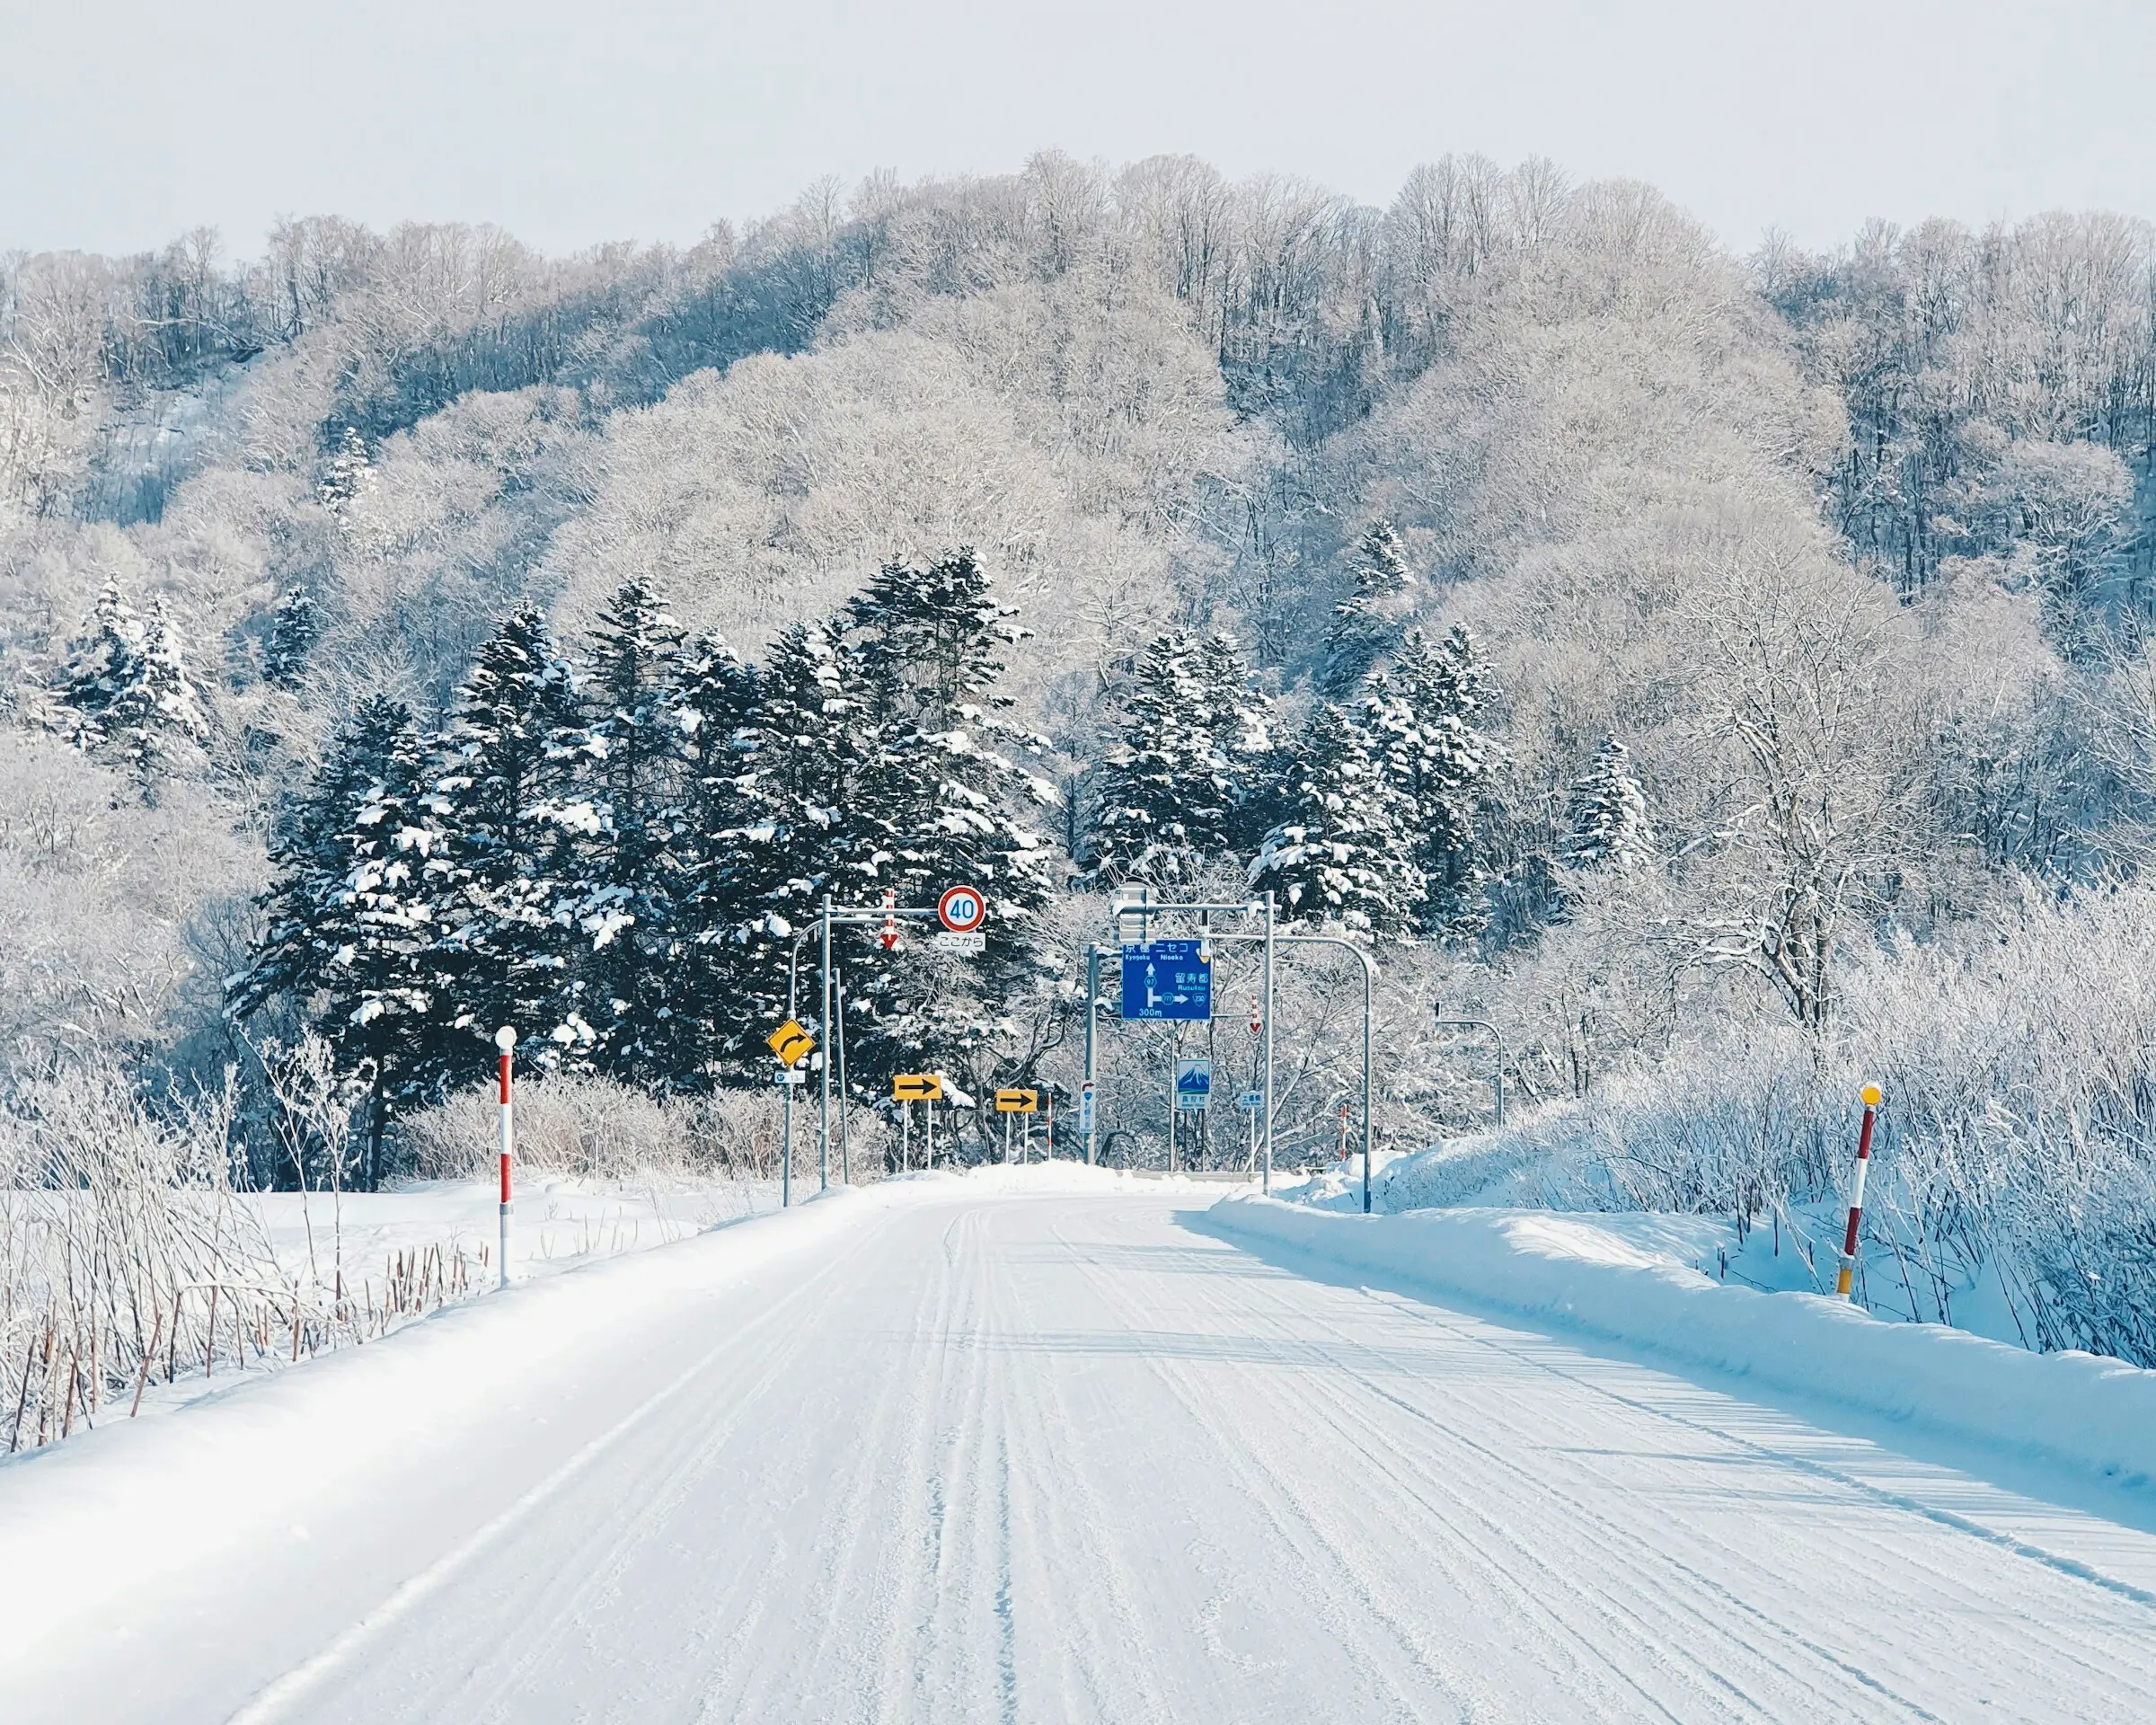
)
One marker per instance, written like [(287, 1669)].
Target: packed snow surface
[(1043, 1446)]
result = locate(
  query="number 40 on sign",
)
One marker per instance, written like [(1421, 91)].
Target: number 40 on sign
[(962, 910)]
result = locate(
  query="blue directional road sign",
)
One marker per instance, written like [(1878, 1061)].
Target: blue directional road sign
[(1166, 980)]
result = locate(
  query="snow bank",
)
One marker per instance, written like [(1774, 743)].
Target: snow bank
[(2093, 1413), (255, 1456)]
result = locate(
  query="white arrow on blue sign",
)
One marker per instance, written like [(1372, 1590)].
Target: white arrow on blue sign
[(1168, 979)]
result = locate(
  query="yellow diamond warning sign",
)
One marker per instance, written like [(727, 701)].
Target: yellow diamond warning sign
[(791, 1043)]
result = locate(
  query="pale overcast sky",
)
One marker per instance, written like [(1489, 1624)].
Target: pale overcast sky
[(123, 122)]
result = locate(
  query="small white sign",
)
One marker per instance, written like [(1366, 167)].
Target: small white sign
[(961, 940)]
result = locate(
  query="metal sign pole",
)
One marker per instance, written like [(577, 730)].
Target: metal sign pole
[(793, 974), (823, 1128), (1368, 976), (838, 1053), (1092, 1036), (1175, 1055), (1268, 1186)]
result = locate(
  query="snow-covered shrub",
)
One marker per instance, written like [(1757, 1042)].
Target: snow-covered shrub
[(594, 1127), (2017, 1140), (126, 1255)]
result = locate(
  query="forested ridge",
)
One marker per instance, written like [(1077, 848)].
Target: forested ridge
[(1728, 676)]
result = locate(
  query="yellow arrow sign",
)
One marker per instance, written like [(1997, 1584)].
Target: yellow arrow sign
[(791, 1043), (916, 1087), (1018, 1102)]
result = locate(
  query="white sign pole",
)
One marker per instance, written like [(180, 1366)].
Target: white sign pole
[(505, 1039)]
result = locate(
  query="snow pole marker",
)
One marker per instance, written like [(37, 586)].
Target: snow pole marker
[(505, 1039), (1845, 1277)]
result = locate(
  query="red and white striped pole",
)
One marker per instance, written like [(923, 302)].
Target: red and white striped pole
[(1846, 1279), (505, 1039)]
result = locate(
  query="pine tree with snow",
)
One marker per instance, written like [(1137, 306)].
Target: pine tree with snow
[(105, 667), (173, 713), (346, 473), (1340, 854), (1423, 713), (349, 939), (1179, 790), (782, 754), (1366, 624), (295, 627), (133, 698), (1241, 718), (714, 1016), (946, 798), (1168, 793), (1607, 815), (638, 868), (511, 797)]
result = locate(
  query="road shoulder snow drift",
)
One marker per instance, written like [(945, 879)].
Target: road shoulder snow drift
[(2088, 1413)]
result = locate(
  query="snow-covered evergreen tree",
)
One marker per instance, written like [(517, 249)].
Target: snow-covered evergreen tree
[(1422, 713), (1366, 624), (638, 868), (349, 940), (1167, 796), (104, 667), (782, 754), (295, 627), (1241, 716), (1341, 853), (133, 698), (346, 473), (513, 800), (943, 793), (1179, 790), (1607, 815)]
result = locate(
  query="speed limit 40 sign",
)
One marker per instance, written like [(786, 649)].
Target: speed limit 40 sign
[(962, 909)]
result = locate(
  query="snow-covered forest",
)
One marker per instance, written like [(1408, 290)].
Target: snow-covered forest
[(1728, 676)]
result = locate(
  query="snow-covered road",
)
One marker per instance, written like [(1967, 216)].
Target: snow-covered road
[(1074, 1457)]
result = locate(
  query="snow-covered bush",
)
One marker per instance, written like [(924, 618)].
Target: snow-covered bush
[(2017, 1140), (127, 1257), (594, 1127)]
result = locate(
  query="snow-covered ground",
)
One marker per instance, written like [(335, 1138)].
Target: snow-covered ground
[(561, 1223), (1631, 1279), (1792, 1251), (1047, 1443)]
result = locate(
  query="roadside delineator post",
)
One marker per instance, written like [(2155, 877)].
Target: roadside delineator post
[(505, 1039), (1846, 1278)]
